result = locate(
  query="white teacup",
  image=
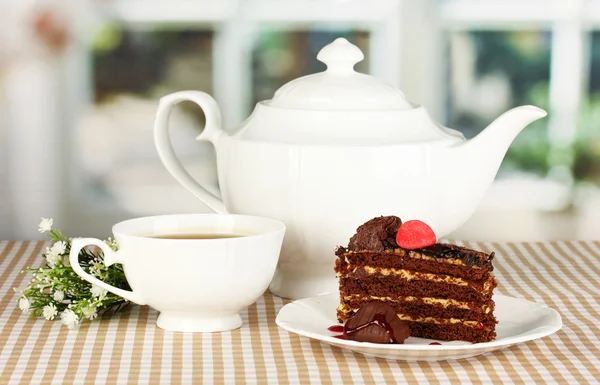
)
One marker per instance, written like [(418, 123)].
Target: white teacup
[(197, 285)]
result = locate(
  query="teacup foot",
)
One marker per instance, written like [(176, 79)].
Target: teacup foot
[(195, 323)]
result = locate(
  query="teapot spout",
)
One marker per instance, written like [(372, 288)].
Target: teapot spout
[(490, 146), (474, 163)]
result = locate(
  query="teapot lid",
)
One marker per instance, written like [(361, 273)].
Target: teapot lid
[(340, 87)]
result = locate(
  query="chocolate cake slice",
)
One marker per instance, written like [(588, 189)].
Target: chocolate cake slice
[(443, 291)]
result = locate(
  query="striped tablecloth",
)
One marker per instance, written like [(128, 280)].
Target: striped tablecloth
[(128, 348)]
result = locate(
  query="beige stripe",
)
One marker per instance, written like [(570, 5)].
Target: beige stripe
[(520, 358), (342, 364), (428, 371), (271, 314), (518, 269), (587, 259), (156, 361), (546, 363), (74, 361), (471, 372), (450, 372), (7, 248), (581, 334), (442, 375), (57, 349), (566, 265), (38, 348), (117, 349), (317, 351), (18, 282), (593, 248), (138, 342), (561, 285), (539, 356), (513, 284), (577, 262), (509, 368), (197, 359), (365, 369), (95, 358), (567, 279), (299, 358), (7, 301), (406, 370), (257, 349), (217, 356), (238, 357), (21, 279), (177, 359), (386, 371)]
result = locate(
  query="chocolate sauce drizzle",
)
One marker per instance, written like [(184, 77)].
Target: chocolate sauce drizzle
[(379, 320), (467, 256)]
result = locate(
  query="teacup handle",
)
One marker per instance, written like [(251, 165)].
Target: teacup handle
[(212, 132), (110, 257)]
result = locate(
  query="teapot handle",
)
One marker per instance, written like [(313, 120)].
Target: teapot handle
[(211, 133)]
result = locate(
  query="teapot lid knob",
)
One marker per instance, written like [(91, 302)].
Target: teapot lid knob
[(340, 56)]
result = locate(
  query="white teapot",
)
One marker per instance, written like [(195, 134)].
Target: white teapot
[(334, 149)]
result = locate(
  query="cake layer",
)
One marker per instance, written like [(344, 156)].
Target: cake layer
[(343, 314), (348, 307), (409, 260), (383, 286), (369, 272), (441, 252), (488, 307), (452, 332)]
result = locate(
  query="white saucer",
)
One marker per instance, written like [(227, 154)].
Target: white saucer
[(518, 321)]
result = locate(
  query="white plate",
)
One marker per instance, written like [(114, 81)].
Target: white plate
[(518, 321)]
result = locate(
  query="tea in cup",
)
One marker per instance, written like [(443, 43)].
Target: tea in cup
[(198, 270)]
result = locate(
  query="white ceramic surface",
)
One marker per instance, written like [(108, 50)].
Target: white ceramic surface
[(518, 321), (339, 87), (197, 285), (324, 171)]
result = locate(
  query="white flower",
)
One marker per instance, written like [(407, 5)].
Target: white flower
[(45, 225), (69, 318), (59, 248), (24, 304), (90, 312), (98, 292), (51, 257), (54, 254), (49, 311), (59, 295), (112, 244)]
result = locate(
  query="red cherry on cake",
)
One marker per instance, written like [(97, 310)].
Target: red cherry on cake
[(415, 235)]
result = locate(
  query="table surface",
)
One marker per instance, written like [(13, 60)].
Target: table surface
[(129, 348)]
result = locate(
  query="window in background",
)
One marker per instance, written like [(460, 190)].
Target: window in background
[(282, 56), (132, 69), (492, 71), (587, 145)]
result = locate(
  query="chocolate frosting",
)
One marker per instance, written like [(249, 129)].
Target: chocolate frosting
[(468, 256), (376, 322), (377, 234)]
